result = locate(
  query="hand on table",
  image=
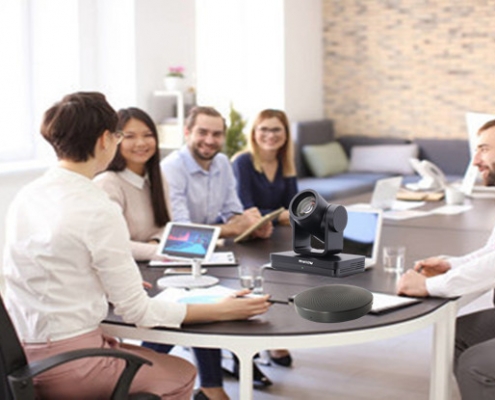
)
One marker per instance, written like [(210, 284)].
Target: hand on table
[(413, 284), (241, 307), (432, 266)]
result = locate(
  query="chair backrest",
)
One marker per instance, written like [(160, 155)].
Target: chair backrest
[(12, 354)]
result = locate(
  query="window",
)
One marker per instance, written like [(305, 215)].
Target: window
[(53, 47)]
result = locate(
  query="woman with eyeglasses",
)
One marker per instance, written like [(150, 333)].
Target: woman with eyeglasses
[(266, 177), (133, 180), (266, 172)]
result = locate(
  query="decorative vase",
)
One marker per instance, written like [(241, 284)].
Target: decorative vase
[(173, 83)]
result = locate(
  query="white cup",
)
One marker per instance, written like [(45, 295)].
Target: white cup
[(394, 259), (453, 196), (251, 277)]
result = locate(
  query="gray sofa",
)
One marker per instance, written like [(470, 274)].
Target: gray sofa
[(450, 155)]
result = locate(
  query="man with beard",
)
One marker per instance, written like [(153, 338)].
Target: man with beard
[(201, 181), (202, 190), (457, 276)]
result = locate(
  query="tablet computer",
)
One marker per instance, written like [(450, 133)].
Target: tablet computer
[(182, 241)]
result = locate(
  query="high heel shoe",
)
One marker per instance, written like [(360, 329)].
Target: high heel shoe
[(259, 378)]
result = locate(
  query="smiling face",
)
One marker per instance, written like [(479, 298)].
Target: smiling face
[(205, 139), (138, 146), (484, 157), (270, 135)]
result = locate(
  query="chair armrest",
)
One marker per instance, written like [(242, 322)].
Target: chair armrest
[(21, 379)]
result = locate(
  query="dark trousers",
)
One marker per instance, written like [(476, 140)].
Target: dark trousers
[(209, 363), (475, 355)]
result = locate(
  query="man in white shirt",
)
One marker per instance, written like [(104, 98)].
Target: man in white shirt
[(456, 276)]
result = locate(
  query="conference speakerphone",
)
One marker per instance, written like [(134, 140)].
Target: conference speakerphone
[(336, 265)]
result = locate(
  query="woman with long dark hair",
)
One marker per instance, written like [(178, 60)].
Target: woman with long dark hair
[(134, 181)]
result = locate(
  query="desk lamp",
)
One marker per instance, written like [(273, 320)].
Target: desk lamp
[(312, 217)]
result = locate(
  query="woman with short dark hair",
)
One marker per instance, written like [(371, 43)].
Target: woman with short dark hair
[(67, 256)]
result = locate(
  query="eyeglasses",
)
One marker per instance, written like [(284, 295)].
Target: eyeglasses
[(119, 135), (265, 131)]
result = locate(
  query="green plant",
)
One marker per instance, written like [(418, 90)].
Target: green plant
[(235, 139)]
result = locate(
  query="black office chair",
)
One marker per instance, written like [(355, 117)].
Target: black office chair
[(16, 375)]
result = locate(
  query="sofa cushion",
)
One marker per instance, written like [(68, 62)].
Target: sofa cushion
[(325, 159), (341, 185), (389, 159), (309, 133), (348, 142)]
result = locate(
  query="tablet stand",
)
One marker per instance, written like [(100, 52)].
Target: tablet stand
[(195, 280)]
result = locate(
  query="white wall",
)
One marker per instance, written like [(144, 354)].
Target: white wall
[(165, 37), (261, 54), (303, 62)]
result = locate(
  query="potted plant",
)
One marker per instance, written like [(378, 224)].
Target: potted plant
[(235, 139), (174, 80)]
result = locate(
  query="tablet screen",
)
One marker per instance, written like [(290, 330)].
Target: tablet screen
[(188, 240)]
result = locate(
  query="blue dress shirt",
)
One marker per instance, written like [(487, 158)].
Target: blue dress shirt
[(199, 196)]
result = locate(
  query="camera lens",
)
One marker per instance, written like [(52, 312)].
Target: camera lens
[(306, 206)]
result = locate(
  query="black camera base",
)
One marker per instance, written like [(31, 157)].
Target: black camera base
[(337, 265)]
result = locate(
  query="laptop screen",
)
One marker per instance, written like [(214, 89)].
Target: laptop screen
[(362, 233), (385, 192)]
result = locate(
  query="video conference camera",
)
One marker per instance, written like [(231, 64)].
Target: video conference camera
[(312, 217)]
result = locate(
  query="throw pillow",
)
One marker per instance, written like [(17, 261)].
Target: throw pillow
[(325, 159), (392, 158)]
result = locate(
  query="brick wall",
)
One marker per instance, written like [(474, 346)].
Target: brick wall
[(408, 68)]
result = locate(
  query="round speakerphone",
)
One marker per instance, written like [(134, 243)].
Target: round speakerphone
[(333, 303)]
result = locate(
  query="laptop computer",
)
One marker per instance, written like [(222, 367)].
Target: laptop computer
[(362, 234), (385, 193)]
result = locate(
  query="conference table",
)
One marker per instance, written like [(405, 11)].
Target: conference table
[(282, 327)]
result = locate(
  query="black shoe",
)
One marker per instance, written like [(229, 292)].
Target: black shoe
[(284, 361), (259, 378)]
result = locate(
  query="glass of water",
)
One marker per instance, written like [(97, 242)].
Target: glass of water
[(394, 259), (251, 277)]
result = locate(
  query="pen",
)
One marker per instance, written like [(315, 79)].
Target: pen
[(269, 300), (277, 301)]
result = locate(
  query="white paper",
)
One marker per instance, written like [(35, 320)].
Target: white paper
[(404, 214), (452, 209), (200, 295), (382, 302)]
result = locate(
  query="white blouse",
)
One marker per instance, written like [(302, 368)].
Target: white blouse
[(67, 255)]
